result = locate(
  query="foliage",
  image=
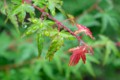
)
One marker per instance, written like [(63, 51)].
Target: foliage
[(23, 58), (42, 27)]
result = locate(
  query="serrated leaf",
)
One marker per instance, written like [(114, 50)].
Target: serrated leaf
[(16, 1), (56, 44), (60, 9), (2, 8), (21, 11), (58, 63), (110, 47), (40, 41), (87, 20), (48, 71), (22, 16), (66, 35), (108, 19), (40, 3), (13, 19), (23, 7), (93, 59), (52, 6), (104, 22), (32, 29), (89, 68), (67, 74), (107, 53)]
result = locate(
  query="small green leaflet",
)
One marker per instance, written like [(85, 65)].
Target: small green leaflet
[(52, 4), (21, 11), (40, 41), (30, 30), (56, 44)]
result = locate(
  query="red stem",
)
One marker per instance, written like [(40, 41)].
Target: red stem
[(57, 22)]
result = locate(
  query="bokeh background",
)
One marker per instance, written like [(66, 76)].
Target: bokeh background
[(18, 57)]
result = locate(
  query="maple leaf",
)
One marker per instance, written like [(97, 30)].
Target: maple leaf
[(78, 53), (82, 28)]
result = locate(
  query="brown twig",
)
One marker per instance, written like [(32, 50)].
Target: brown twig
[(58, 23)]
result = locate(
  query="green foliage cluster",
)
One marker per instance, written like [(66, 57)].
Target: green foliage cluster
[(19, 57), (17, 12)]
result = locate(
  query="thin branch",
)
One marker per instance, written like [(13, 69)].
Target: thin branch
[(58, 23)]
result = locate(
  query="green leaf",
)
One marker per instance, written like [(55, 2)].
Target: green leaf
[(56, 44), (104, 22), (48, 71), (21, 11), (40, 41), (2, 8), (92, 59), (67, 35), (108, 19), (13, 19), (22, 16), (110, 48), (88, 20), (52, 6), (67, 74), (89, 68), (58, 63), (32, 29), (107, 53), (40, 3), (23, 8), (16, 1)]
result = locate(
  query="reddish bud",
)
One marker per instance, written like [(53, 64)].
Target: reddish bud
[(82, 28)]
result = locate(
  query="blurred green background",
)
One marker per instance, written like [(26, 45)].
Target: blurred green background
[(18, 57)]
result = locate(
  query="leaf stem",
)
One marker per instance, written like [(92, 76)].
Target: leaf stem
[(58, 23)]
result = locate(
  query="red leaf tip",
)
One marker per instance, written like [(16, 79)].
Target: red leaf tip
[(79, 53), (82, 28)]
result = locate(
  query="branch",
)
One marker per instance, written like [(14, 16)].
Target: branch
[(58, 23)]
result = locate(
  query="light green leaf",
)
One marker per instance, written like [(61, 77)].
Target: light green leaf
[(56, 44), (40, 41), (89, 68), (32, 29), (47, 69)]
